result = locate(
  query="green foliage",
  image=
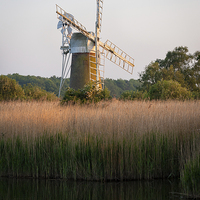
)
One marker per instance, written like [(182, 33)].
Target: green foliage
[(117, 87), (196, 95), (178, 58), (191, 175), (36, 93), (150, 76), (161, 90), (10, 89), (178, 65), (90, 93), (164, 90), (134, 95), (52, 84)]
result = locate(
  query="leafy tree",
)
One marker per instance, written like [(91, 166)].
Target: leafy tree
[(178, 65), (169, 90), (10, 89), (168, 74), (134, 95), (133, 85), (52, 84), (112, 86), (179, 58), (150, 76), (196, 68), (117, 87), (36, 93), (121, 84)]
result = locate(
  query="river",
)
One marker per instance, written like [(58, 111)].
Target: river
[(40, 189)]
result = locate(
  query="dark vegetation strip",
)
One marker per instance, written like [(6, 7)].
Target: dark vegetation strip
[(152, 156), (117, 87)]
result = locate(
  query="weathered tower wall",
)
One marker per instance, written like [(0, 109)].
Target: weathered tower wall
[(80, 49)]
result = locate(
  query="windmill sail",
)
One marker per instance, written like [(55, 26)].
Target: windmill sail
[(118, 56), (99, 13)]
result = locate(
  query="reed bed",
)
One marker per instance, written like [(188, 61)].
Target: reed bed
[(113, 140)]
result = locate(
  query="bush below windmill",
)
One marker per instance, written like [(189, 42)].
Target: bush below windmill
[(89, 94)]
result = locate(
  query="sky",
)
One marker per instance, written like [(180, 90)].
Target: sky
[(146, 30)]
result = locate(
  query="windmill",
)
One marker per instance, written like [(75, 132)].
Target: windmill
[(84, 54)]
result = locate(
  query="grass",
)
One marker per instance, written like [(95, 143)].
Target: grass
[(113, 140), (191, 175)]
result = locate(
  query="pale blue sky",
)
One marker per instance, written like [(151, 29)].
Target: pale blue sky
[(146, 30)]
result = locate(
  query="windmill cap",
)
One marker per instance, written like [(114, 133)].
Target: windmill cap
[(81, 44)]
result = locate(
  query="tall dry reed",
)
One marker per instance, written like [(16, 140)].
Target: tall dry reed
[(107, 119)]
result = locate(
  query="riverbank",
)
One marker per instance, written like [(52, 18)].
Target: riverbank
[(115, 140)]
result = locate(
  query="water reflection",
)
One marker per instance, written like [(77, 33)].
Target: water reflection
[(60, 189)]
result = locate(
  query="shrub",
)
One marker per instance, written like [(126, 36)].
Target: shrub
[(196, 95), (36, 93), (169, 90), (90, 93), (134, 95), (10, 89)]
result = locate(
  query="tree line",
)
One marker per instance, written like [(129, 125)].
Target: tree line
[(52, 84), (11, 90), (177, 76)]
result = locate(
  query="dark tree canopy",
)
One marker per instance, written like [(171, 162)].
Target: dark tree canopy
[(10, 89), (179, 65), (52, 84)]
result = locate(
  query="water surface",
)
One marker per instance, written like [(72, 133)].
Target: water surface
[(31, 189)]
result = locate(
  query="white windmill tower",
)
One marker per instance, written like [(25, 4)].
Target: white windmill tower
[(83, 52)]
